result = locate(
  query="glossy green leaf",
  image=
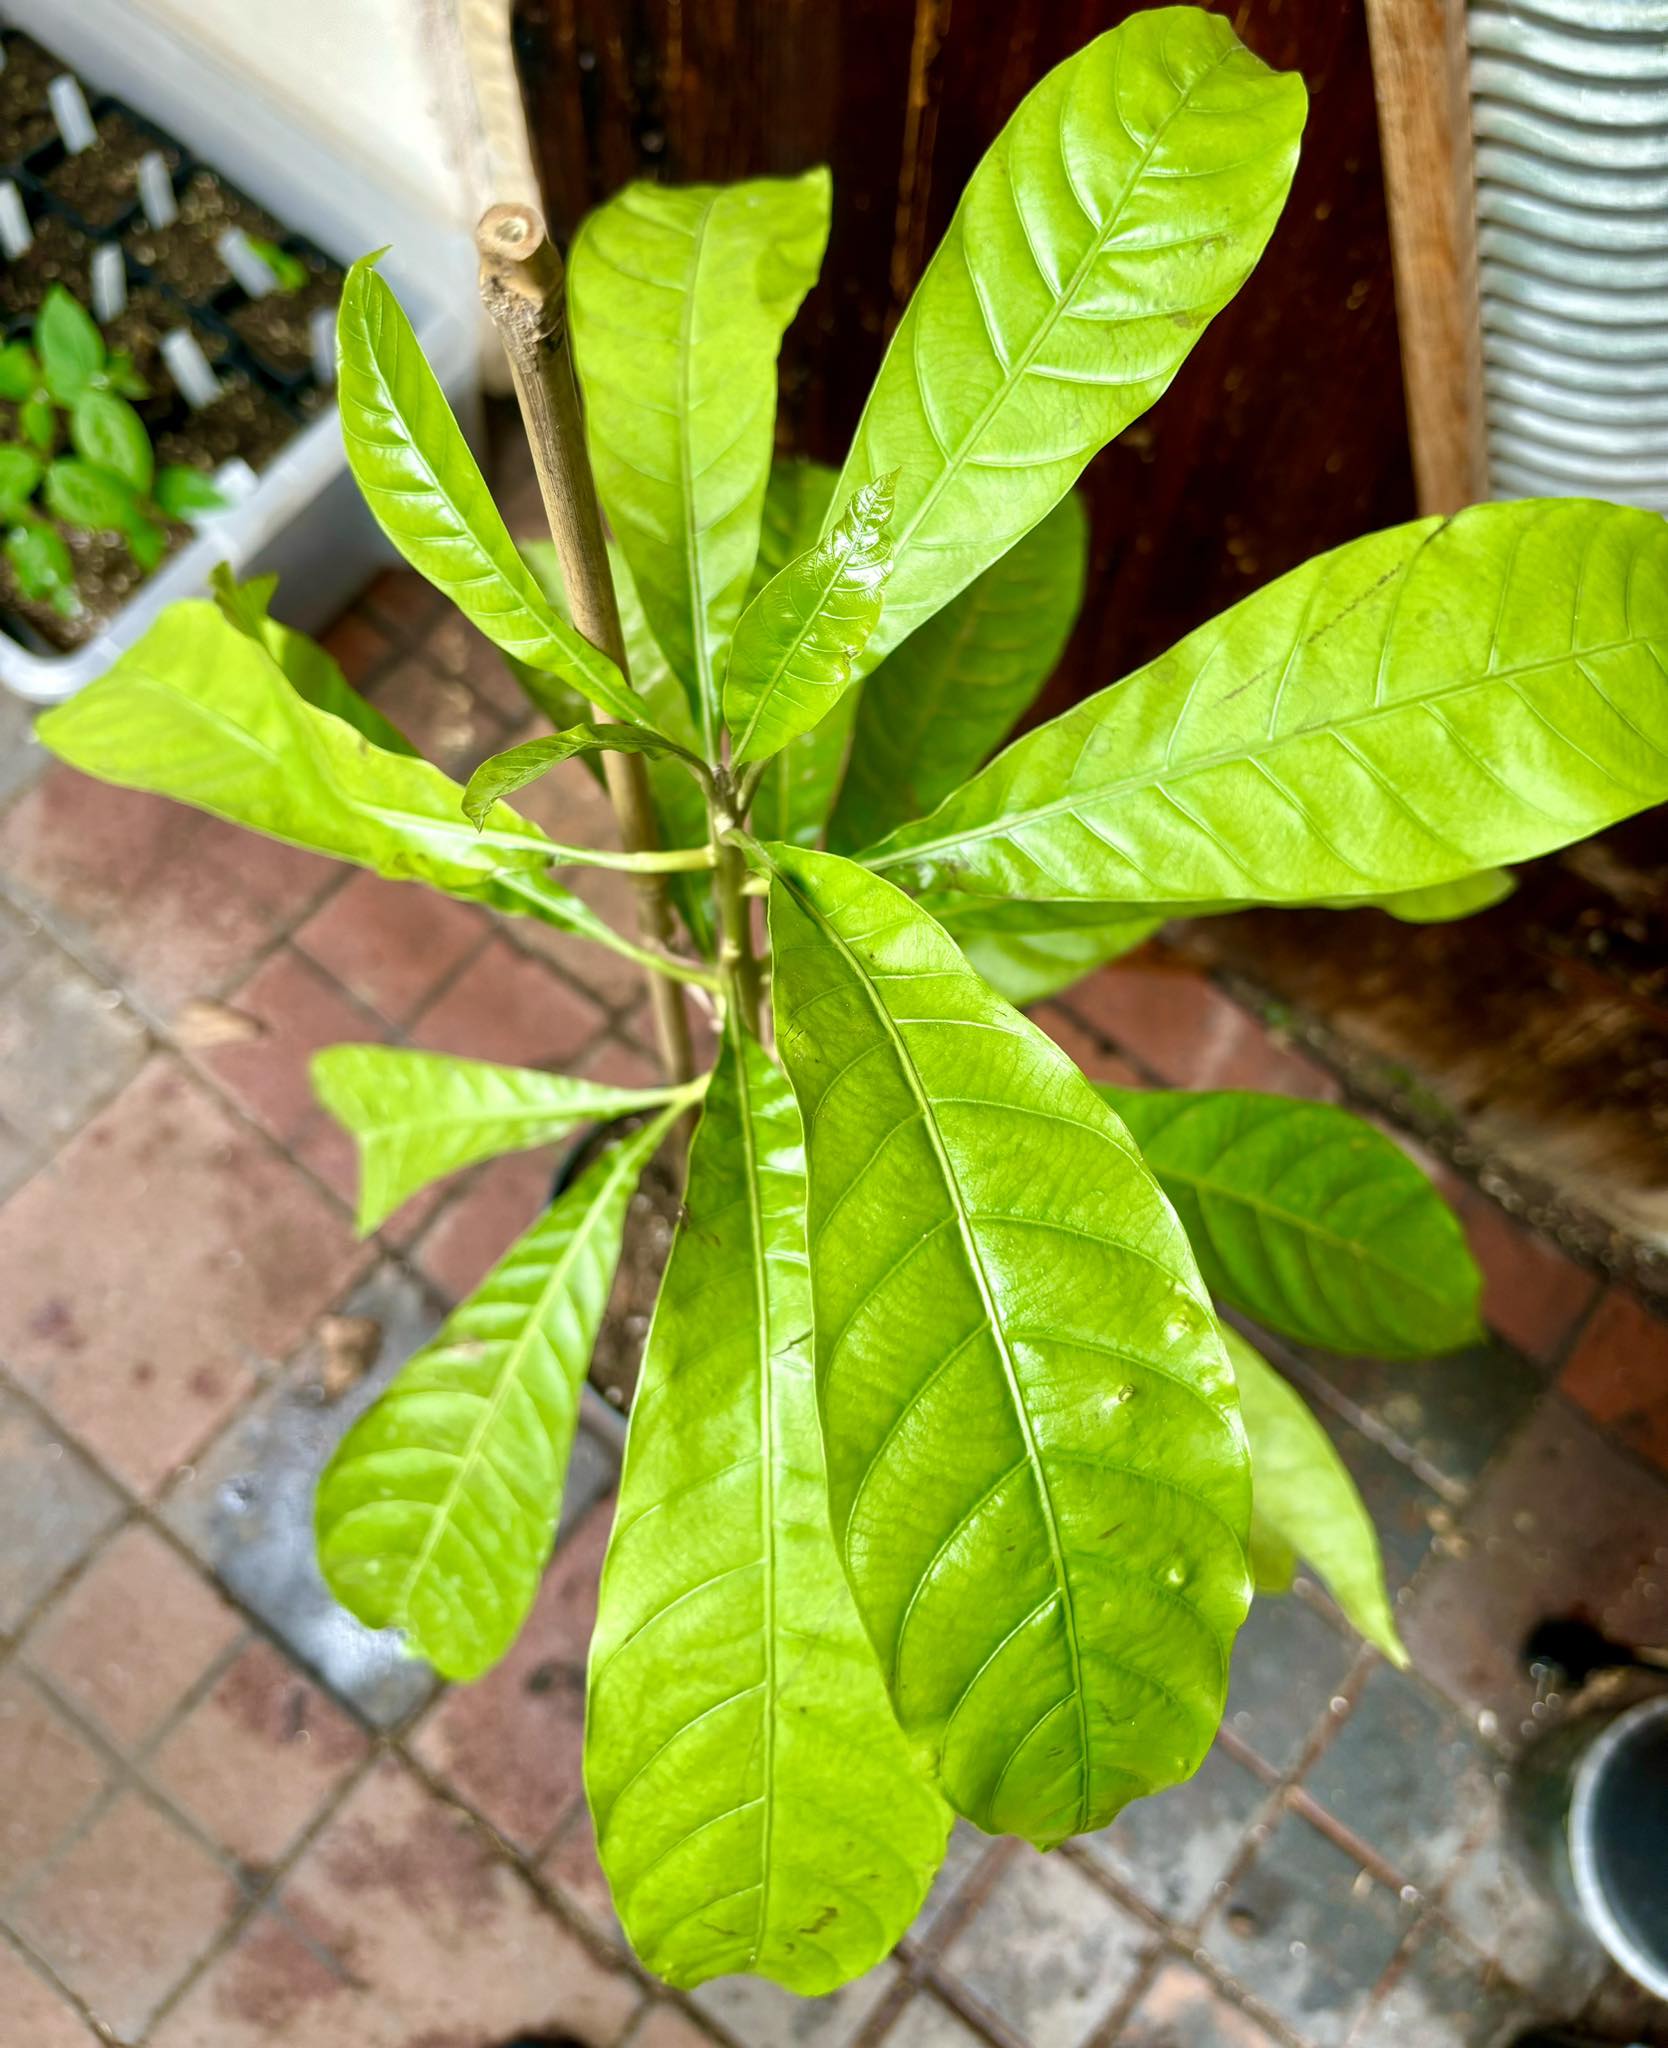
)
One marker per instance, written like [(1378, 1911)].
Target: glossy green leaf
[(1446, 901), (1038, 1481), (200, 711), (1309, 1220), (797, 784), (311, 670), (20, 372), (679, 297), (1121, 207), (415, 1116), (21, 470), (503, 774), (791, 660), (41, 563), (1444, 697), (1305, 1501), (419, 478), (756, 1806), (70, 347), (1273, 1560), (1029, 966), (37, 417), (146, 541), (938, 704), (187, 494), (437, 1512), (107, 432), (83, 496)]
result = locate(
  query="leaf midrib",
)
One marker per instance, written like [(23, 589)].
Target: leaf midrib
[(952, 1188), (839, 562), (1160, 774), (1014, 373)]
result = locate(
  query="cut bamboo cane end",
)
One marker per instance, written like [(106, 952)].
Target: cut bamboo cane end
[(518, 257)]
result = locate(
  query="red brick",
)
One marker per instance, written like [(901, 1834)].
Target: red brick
[(1182, 1027), (440, 715), (448, 1937), (175, 902), (51, 1777), (123, 1915), (571, 805), (132, 1636), (1084, 1048), (263, 1725), (510, 1745), (146, 1270), (54, 1507), (41, 2017), (509, 1007), (298, 1011), (620, 1063), (571, 1870), (405, 604), (610, 977), (274, 1986), (357, 645), (65, 1046), (391, 944), (1532, 1295), (474, 1231), (663, 2026), (1619, 1374), (457, 648), (326, 1150)]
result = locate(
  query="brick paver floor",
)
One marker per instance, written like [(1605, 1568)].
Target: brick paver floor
[(231, 1818)]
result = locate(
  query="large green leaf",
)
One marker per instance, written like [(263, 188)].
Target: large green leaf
[(1031, 965), (1447, 696), (503, 774), (417, 474), (679, 298), (757, 1808), (417, 1115), (437, 1512), (938, 704), (200, 710), (1306, 1502), (1038, 1481), (313, 672), (1309, 1220), (1121, 207), (797, 784), (792, 655)]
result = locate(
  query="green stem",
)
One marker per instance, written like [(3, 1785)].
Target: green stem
[(738, 962), (590, 926), (672, 860)]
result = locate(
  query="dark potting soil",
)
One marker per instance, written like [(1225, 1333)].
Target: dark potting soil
[(25, 117), (183, 254), (106, 576), (244, 420), (101, 184), (650, 1221), (59, 254), (138, 329), (278, 330)]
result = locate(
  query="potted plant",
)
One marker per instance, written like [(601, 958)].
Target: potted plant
[(947, 1485)]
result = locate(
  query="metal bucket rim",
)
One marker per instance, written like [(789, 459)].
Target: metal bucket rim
[(1595, 1905)]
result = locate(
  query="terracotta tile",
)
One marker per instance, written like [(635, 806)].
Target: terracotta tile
[(152, 1264), (457, 648), (176, 902), (133, 1634), (573, 1872), (1563, 1523), (510, 1745), (274, 1986), (760, 2014), (1172, 1850), (54, 1507), (663, 2026), (608, 975), (42, 2017), (297, 1010), (264, 1725), (1532, 1294), (1090, 1054), (410, 1896), (571, 805), (403, 603), (66, 1045), (621, 1063), (1188, 1032), (22, 757), (927, 2022), (1179, 2009), (507, 1006), (51, 1776), (473, 1232), (1440, 1999), (1619, 1374), (123, 1915), (440, 714), (357, 645), (391, 944), (325, 1149)]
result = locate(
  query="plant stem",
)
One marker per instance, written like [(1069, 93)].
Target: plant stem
[(738, 962), (523, 290)]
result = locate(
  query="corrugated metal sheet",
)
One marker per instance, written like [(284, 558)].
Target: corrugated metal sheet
[(1570, 116)]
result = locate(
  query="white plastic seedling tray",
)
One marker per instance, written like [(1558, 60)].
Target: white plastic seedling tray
[(304, 519)]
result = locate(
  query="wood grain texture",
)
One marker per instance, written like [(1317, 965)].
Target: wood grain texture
[(1424, 116), (1284, 431)]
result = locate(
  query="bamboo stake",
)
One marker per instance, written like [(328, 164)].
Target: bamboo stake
[(523, 289)]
